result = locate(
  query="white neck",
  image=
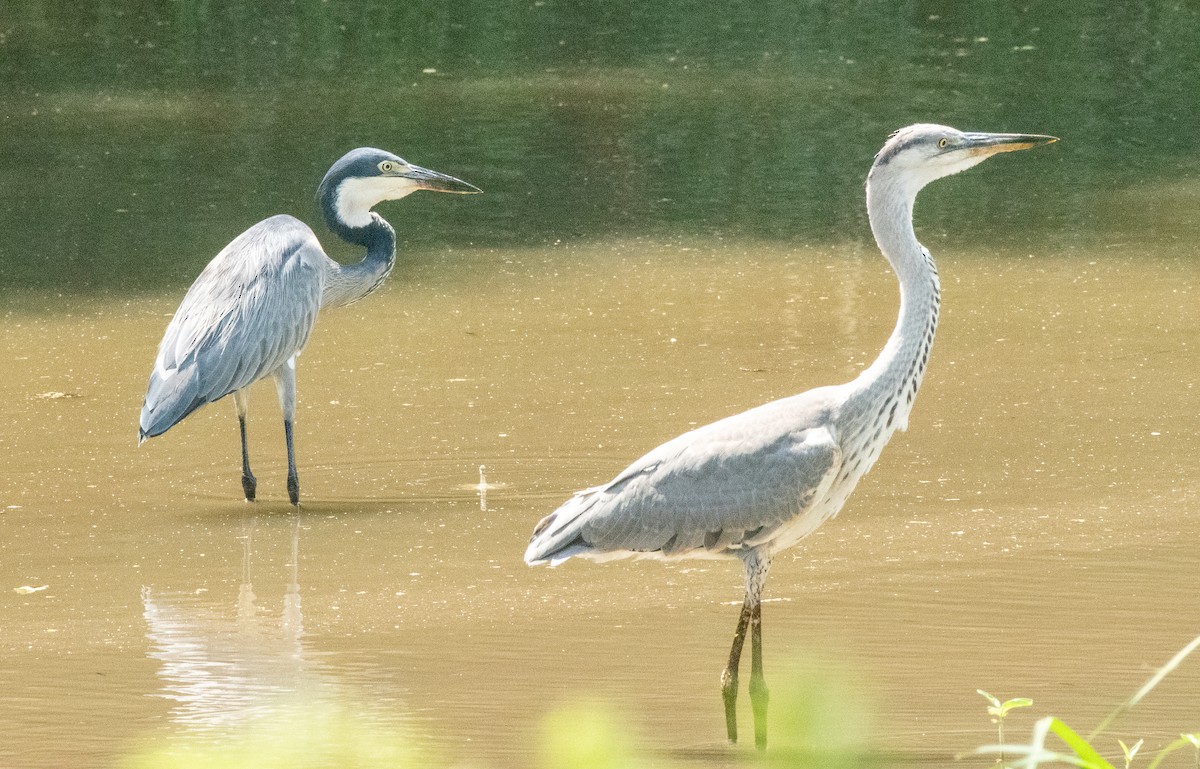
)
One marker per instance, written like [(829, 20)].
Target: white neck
[(357, 196), (885, 391)]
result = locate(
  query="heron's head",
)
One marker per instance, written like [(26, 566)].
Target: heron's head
[(365, 177), (920, 153)]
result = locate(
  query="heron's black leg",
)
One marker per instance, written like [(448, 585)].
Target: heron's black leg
[(249, 482), (758, 685), (729, 676), (293, 480)]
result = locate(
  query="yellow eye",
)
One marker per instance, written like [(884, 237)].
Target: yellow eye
[(387, 166), (942, 143)]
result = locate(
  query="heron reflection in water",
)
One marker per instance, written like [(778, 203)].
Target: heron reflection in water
[(221, 665)]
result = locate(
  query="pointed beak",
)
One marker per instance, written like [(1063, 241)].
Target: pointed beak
[(432, 180), (992, 144)]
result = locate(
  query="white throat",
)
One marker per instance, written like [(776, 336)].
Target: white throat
[(356, 197)]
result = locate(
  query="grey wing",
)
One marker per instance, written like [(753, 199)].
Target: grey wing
[(248, 313), (714, 490)]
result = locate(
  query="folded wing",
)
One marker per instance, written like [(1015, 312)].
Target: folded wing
[(248, 313), (717, 489)]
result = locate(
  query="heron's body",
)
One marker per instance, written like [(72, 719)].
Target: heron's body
[(755, 483), (251, 311), (763, 479), (248, 314)]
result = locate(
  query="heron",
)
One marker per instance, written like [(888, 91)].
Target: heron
[(250, 312), (753, 484)]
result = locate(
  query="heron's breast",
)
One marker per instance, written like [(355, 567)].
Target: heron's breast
[(861, 447)]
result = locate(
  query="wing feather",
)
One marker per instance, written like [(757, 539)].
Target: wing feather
[(250, 310), (716, 489)]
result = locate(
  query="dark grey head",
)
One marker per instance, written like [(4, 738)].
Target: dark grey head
[(918, 154), (366, 176)]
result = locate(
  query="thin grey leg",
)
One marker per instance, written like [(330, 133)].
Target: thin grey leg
[(285, 385), (758, 685), (729, 676), (757, 563), (241, 402)]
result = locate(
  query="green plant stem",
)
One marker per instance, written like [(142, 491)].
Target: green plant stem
[(1158, 676), (1174, 746)]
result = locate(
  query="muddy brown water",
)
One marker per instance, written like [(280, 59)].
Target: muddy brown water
[(672, 231), (1032, 534)]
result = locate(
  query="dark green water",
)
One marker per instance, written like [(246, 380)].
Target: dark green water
[(139, 137)]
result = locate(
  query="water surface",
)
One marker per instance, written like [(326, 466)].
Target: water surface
[(672, 232), (1031, 533)]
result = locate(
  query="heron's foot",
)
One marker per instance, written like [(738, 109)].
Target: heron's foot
[(729, 692), (758, 700), (293, 484), (249, 485)]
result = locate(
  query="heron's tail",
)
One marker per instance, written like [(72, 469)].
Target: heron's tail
[(168, 400), (559, 535)]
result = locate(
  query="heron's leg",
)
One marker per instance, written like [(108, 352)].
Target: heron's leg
[(758, 685), (729, 676), (241, 401), (293, 480), (285, 384), (756, 577)]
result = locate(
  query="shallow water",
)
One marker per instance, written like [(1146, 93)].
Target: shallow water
[(1031, 534), (672, 231)]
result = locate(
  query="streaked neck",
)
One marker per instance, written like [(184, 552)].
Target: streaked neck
[(347, 283), (891, 382)]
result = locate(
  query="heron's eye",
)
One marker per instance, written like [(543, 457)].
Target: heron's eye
[(387, 166), (942, 143)]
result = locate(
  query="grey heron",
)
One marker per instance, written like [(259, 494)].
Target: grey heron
[(250, 312), (752, 484)]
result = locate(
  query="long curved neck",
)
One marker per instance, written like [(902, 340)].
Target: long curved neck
[(347, 283), (891, 382)]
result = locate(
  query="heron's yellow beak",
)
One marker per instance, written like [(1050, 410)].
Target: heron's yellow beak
[(992, 144)]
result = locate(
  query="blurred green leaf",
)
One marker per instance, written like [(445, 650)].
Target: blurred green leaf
[(586, 735), (820, 706), (295, 735), (1082, 747), (1017, 702)]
